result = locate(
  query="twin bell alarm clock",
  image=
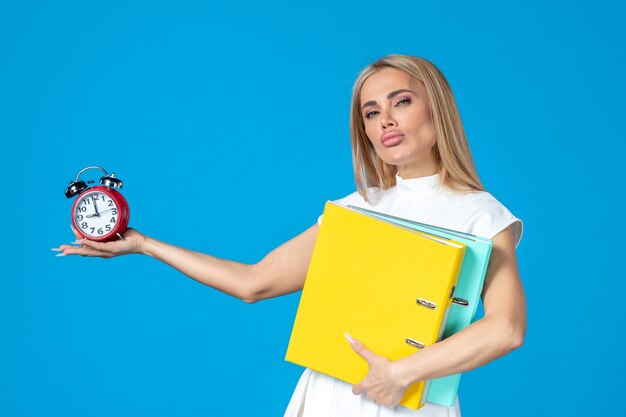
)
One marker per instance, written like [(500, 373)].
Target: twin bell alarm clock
[(99, 212)]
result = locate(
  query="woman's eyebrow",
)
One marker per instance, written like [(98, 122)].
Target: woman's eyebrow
[(389, 96)]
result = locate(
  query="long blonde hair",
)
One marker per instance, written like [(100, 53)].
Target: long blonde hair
[(452, 153)]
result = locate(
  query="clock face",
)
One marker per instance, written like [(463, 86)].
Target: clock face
[(96, 214)]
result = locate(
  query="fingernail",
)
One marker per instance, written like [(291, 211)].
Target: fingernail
[(61, 254), (55, 250), (349, 339), (76, 242)]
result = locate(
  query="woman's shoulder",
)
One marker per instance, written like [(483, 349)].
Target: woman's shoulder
[(479, 199), (487, 216)]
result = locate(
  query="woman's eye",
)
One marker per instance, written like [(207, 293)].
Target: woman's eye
[(370, 114), (403, 102)]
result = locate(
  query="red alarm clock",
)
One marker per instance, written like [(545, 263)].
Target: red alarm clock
[(100, 212)]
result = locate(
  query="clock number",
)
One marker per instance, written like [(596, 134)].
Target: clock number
[(112, 220), (84, 225), (81, 209), (92, 229), (96, 196), (86, 201), (79, 217), (110, 203), (113, 211), (108, 227), (100, 231)]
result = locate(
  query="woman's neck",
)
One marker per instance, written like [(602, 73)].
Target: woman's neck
[(408, 172)]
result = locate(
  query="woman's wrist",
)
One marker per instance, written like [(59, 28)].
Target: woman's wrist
[(403, 371), (146, 246)]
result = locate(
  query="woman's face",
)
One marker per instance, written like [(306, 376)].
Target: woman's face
[(395, 110)]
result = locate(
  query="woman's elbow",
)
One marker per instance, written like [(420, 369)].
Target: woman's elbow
[(254, 288), (515, 336), (518, 339), (250, 294), (508, 335)]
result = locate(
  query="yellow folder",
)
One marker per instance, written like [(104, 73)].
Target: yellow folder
[(386, 285)]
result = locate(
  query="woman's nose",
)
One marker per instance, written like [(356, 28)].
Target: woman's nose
[(387, 120)]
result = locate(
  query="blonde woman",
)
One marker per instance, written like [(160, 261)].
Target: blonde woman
[(412, 160)]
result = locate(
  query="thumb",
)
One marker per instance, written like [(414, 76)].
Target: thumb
[(360, 348)]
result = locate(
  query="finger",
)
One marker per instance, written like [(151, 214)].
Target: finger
[(360, 348), (66, 246), (358, 389), (99, 246), (60, 248), (85, 251), (376, 395)]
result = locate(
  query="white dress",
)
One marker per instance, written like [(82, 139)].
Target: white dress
[(427, 201)]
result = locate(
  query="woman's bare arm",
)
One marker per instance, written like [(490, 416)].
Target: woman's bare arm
[(501, 330), (282, 271)]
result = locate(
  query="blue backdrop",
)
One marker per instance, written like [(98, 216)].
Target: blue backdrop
[(229, 126)]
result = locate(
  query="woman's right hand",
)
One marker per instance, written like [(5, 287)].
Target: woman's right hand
[(133, 242)]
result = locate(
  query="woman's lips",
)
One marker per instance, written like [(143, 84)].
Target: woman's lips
[(392, 139)]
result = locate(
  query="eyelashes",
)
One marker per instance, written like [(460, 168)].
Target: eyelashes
[(403, 102)]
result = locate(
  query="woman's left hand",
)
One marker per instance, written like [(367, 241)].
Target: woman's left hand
[(380, 384)]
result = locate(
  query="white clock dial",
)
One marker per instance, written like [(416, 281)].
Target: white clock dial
[(96, 214)]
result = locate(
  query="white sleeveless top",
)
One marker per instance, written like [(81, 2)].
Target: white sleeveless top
[(424, 200)]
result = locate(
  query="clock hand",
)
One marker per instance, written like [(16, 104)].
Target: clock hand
[(98, 214), (93, 215), (95, 206)]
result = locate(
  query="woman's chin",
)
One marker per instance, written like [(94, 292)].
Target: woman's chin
[(394, 159), (399, 157)]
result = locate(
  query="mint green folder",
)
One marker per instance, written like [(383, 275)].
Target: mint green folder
[(443, 391)]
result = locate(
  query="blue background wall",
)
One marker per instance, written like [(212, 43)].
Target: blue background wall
[(229, 127)]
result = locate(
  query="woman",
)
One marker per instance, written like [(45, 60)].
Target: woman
[(412, 160)]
